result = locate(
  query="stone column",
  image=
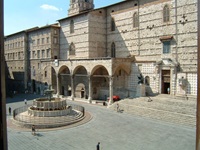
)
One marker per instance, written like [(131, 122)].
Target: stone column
[(72, 87), (90, 89), (111, 90), (58, 84)]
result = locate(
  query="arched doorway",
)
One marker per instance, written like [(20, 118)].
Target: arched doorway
[(80, 91), (81, 82)]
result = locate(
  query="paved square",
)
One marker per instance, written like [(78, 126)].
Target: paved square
[(115, 131)]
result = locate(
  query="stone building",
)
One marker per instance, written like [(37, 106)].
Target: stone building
[(16, 55), (103, 51), (25, 52), (43, 48)]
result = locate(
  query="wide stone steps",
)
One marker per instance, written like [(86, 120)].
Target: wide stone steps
[(161, 108), (163, 105)]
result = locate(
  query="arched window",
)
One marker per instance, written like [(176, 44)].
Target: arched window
[(72, 26), (112, 24), (113, 50), (166, 13), (72, 49), (135, 20), (147, 80)]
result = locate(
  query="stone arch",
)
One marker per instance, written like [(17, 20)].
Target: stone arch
[(64, 69), (100, 82), (64, 81), (123, 67), (147, 80), (81, 82), (99, 70), (80, 70)]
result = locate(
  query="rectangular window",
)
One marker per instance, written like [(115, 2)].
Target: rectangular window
[(45, 74), (55, 40), (72, 26), (19, 55), (38, 54), (47, 39), (55, 31), (38, 41), (43, 53), (33, 71), (33, 54), (166, 47), (33, 42), (42, 40), (48, 53), (38, 65)]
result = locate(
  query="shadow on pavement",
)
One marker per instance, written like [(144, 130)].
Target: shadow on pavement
[(21, 97)]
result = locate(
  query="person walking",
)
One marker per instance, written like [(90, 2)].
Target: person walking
[(98, 146), (117, 107), (25, 101), (9, 109), (33, 129), (168, 90)]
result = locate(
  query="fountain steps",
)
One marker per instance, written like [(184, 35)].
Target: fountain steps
[(26, 121)]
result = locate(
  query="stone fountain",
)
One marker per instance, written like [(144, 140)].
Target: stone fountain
[(49, 93), (48, 112)]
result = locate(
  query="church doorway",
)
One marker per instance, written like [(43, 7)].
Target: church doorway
[(165, 81)]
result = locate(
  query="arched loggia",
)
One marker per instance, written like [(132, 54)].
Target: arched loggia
[(100, 83), (65, 81)]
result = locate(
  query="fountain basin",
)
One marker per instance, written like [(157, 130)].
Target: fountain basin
[(44, 104), (42, 107), (55, 113)]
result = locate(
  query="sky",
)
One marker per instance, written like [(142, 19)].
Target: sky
[(20, 15)]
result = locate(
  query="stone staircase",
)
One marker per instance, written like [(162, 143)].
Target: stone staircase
[(161, 107)]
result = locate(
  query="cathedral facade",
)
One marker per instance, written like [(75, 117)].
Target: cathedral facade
[(106, 51)]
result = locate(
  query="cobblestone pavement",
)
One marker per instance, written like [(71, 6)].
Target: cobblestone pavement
[(115, 131)]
